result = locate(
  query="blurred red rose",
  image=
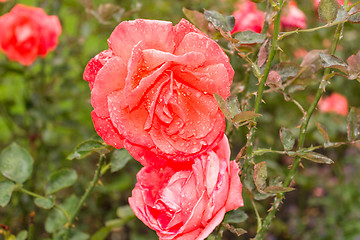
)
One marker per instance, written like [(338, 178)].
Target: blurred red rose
[(27, 32), (152, 90), (3, 0), (248, 17), (188, 203), (334, 103), (292, 17)]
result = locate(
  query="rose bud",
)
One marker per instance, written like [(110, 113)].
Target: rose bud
[(336, 103), (248, 17)]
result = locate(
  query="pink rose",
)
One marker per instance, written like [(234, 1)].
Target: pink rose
[(248, 17), (334, 103), (186, 203), (152, 90), (293, 17), (27, 32)]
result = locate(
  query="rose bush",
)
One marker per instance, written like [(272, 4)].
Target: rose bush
[(248, 17), (336, 103), (152, 90), (28, 32), (188, 202)]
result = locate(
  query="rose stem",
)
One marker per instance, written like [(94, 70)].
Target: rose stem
[(292, 172), (85, 196)]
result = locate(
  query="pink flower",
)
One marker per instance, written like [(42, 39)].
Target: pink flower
[(27, 32), (334, 103), (293, 17), (248, 17), (152, 90), (187, 203)]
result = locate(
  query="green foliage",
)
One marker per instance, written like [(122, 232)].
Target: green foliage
[(6, 189), (16, 163), (61, 179)]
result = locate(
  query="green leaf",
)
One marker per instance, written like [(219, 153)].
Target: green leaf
[(45, 203), (235, 216), (286, 70), (331, 61), (223, 106), (119, 158), (260, 175), (61, 179), (101, 234), (355, 17), (353, 126), (249, 37), (56, 218), (328, 10), (315, 157), (245, 116), (87, 148), (233, 105), (74, 235), (6, 189), (16, 163), (354, 66), (125, 212), (323, 131), (287, 139), (278, 189), (197, 18), (225, 23), (22, 235)]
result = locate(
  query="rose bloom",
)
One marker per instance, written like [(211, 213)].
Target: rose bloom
[(152, 90), (188, 202), (292, 17), (27, 32), (334, 103), (248, 17)]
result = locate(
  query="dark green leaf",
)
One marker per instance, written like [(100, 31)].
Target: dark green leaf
[(315, 157), (233, 105), (223, 106), (225, 23), (286, 70), (249, 37), (260, 175), (61, 179), (56, 218), (6, 189), (353, 126), (22, 235), (354, 66), (237, 231), (328, 10), (323, 131), (331, 61), (235, 216), (119, 158), (355, 17), (74, 235), (245, 116), (287, 139), (86, 148), (16, 163), (278, 189), (197, 18), (45, 203)]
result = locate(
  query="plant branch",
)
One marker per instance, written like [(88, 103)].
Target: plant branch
[(251, 135), (272, 211), (85, 196)]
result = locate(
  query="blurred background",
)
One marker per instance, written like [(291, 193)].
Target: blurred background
[(46, 109)]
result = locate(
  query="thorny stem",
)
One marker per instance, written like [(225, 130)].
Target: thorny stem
[(279, 197), (85, 196), (260, 91)]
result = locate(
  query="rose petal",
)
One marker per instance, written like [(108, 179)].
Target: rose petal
[(129, 33)]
